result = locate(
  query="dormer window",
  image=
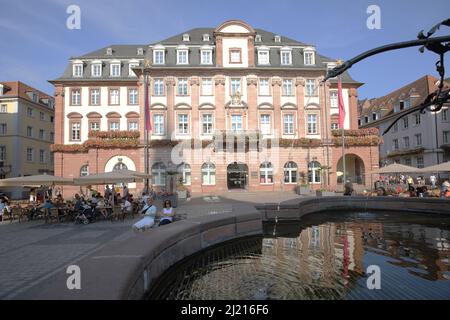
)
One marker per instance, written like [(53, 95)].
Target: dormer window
[(309, 58), (235, 55), (401, 105), (277, 38), (263, 57), (182, 56), (206, 37), (109, 51), (96, 69), (206, 56), (115, 69), (158, 56), (186, 37), (78, 70), (258, 38), (286, 57), (374, 116), (140, 51), (131, 66)]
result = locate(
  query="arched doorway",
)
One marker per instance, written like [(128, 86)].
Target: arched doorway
[(237, 176), (354, 169)]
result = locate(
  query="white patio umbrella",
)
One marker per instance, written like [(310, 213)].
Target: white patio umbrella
[(397, 168), (117, 176), (35, 180), (442, 167)]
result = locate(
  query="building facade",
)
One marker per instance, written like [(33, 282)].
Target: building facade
[(26, 132), (251, 102), (418, 139)]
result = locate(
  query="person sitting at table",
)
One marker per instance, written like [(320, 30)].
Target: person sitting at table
[(127, 207), (2, 207), (149, 212), (46, 205), (167, 213)]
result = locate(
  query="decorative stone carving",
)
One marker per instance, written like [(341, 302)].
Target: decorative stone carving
[(276, 81), (195, 81), (299, 81), (219, 81), (170, 81), (252, 81)]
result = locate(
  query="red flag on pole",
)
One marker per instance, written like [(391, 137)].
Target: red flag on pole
[(148, 125), (341, 105)]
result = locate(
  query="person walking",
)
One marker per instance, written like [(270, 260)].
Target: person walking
[(125, 192), (410, 181)]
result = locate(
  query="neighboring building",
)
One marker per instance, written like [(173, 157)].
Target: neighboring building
[(205, 83), (26, 132), (412, 140)]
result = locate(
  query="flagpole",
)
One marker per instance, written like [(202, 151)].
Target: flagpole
[(342, 124), (145, 131)]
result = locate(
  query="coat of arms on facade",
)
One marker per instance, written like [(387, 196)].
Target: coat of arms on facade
[(236, 99)]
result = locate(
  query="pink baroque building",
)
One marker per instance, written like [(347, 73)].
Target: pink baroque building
[(251, 102)]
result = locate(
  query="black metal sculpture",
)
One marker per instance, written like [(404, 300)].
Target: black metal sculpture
[(438, 45)]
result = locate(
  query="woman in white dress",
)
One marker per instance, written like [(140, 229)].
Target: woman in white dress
[(167, 213), (148, 221)]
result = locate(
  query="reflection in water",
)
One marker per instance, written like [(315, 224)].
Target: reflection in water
[(323, 257)]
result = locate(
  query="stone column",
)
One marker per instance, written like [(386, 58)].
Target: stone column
[(300, 94), (276, 93), (353, 107), (251, 51), (195, 93), (170, 92), (59, 128), (219, 52), (219, 95)]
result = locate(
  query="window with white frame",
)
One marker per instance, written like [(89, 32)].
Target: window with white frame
[(287, 89), (286, 57), (314, 169), (186, 37), (30, 154), (236, 122), (235, 56), (312, 123), (159, 174), (207, 123), (183, 124), (288, 123), (235, 85), (309, 58), (115, 70), (95, 97), (114, 125), (42, 156), (133, 126), (184, 170), (96, 70), (406, 142), (158, 124), (30, 132), (75, 134), (310, 87), (265, 124), (2, 153), (207, 87), (290, 172), (417, 118), (405, 122), (78, 70), (208, 174), (76, 97), (84, 170), (114, 96), (206, 57), (3, 108), (444, 114), (206, 37), (182, 56), (158, 56), (133, 96), (334, 99), (182, 87), (264, 87), (263, 57), (131, 66), (158, 87), (266, 173), (94, 126)]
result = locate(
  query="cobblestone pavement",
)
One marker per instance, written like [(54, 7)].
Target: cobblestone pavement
[(32, 252)]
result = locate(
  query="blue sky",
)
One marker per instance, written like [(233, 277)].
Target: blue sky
[(36, 45)]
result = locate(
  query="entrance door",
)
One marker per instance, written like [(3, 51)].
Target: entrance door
[(237, 174)]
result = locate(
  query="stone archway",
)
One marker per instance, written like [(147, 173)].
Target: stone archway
[(354, 169), (121, 162)]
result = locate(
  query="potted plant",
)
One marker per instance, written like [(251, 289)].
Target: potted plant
[(322, 192), (181, 189), (303, 187)]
